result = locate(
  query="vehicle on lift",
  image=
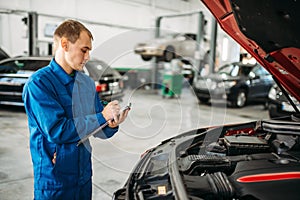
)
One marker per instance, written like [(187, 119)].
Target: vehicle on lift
[(236, 83), (253, 160), (278, 104), (168, 47), (14, 72)]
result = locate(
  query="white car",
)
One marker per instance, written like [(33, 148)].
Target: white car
[(168, 47)]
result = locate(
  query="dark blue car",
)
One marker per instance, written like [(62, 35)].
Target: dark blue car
[(235, 83)]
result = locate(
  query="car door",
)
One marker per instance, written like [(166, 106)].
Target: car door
[(260, 82)]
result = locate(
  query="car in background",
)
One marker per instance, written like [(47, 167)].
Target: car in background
[(278, 104), (236, 83), (14, 72), (252, 160), (3, 54), (168, 47), (108, 81)]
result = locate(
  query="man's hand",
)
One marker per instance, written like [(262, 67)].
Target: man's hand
[(111, 113)]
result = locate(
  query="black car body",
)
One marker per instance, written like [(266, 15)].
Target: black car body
[(14, 72), (254, 160), (236, 83)]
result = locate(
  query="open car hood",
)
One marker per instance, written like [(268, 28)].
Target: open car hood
[(269, 31)]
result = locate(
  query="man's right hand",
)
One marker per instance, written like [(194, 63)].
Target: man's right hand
[(111, 113)]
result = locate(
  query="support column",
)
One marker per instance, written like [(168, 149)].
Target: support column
[(33, 34)]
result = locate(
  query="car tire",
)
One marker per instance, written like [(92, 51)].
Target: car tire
[(146, 58), (241, 99), (169, 54)]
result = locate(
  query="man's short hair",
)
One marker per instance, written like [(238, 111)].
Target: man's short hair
[(71, 30)]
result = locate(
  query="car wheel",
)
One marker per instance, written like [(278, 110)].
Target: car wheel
[(169, 54), (241, 99), (146, 58)]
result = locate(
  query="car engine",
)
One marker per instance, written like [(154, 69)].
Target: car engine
[(248, 161), (262, 165)]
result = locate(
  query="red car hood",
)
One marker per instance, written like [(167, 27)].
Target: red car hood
[(269, 30)]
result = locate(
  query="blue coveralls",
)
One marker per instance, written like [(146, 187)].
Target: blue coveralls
[(61, 109)]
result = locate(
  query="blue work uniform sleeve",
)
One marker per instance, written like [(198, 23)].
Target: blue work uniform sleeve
[(47, 114), (107, 131)]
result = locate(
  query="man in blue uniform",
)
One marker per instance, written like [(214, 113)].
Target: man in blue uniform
[(62, 107)]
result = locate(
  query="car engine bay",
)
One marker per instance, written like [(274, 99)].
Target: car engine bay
[(240, 164), (247, 161)]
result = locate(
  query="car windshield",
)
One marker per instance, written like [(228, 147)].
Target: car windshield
[(28, 65), (97, 69), (235, 70)]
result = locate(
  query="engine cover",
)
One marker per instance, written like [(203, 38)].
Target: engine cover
[(280, 179)]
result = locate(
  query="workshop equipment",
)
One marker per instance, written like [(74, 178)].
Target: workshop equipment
[(172, 79)]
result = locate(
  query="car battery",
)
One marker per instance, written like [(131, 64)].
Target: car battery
[(240, 144)]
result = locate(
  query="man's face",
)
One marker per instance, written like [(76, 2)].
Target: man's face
[(79, 52)]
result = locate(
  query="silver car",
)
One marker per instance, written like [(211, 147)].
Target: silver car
[(169, 47)]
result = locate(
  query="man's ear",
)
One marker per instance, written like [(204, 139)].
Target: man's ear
[(64, 43)]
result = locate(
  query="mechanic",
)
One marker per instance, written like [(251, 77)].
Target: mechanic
[(62, 107)]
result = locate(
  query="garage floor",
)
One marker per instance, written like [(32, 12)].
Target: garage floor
[(151, 120)]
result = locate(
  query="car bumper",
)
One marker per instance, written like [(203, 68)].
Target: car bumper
[(211, 94)]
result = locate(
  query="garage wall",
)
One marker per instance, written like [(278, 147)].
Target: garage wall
[(128, 14), (117, 25)]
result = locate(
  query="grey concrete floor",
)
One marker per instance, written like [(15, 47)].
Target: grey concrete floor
[(151, 120)]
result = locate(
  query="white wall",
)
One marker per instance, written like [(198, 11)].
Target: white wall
[(117, 25), (226, 53)]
